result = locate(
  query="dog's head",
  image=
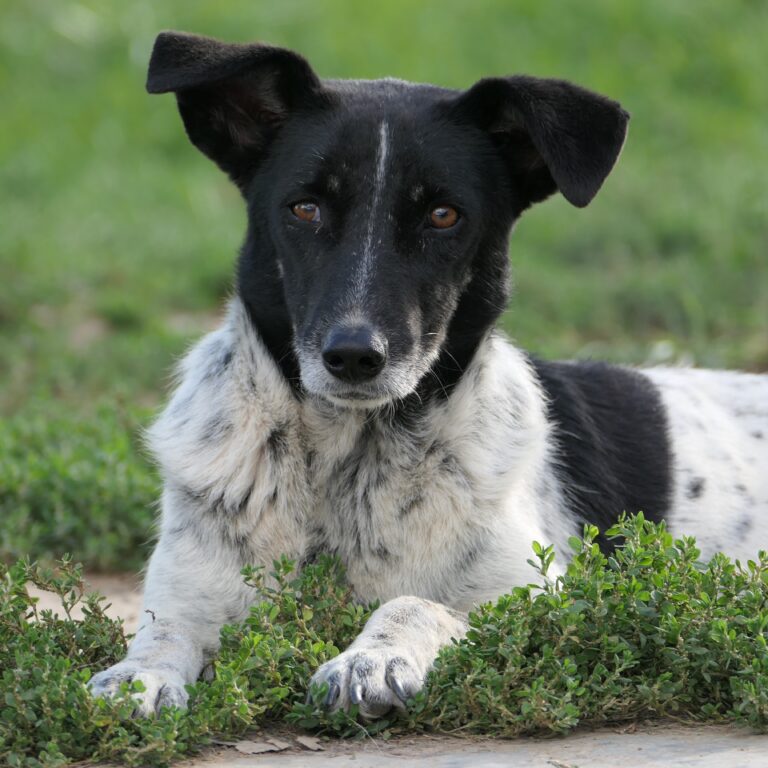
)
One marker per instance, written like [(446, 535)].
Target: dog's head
[(379, 211)]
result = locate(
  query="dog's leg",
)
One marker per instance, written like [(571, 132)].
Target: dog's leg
[(388, 662), (193, 587), (235, 494)]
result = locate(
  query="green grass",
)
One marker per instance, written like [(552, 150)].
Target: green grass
[(647, 632), (117, 238)]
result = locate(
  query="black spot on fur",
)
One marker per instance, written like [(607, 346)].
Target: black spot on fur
[(216, 429), (277, 443), (163, 636), (164, 664), (758, 435), (318, 545), (244, 501), (695, 488), (613, 451), (744, 526), (179, 530), (409, 505), (119, 677), (215, 506), (457, 614), (436, 446), (451, 465), (469, 556), (242, 545), (220, 363), (740, 487), (192, 496)]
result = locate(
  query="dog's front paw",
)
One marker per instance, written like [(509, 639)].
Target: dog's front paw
[(376, 679), (162, 687)]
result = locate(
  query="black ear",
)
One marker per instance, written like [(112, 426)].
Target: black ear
[(554, 134), (232, 98)]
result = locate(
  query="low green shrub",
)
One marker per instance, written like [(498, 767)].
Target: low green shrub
[(647, 631), (82, 486)]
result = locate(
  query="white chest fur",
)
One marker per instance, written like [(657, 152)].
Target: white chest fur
[(443, 505), (431, 505)]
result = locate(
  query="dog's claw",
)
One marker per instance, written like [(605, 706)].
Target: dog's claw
[(162, 688), (356, 694), (397, 688), (332, 696)]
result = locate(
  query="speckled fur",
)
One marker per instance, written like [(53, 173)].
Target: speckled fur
[(433, 509), (719, 430)]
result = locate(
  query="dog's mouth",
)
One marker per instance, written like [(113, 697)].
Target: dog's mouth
[(390, 385), (367, 385), (370, 395), (355, 399)]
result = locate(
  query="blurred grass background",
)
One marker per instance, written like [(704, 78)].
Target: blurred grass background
[(117, 238)]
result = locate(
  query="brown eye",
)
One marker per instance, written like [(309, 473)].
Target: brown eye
[(443, 217), (306, 211)]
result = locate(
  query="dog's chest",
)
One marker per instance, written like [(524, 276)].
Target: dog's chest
[(401, 510)]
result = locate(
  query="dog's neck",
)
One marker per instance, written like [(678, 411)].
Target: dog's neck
[(260, 288)]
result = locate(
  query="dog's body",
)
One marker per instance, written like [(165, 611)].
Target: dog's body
[(357, 401)]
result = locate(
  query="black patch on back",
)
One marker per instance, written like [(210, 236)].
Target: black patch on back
[(613, 452)]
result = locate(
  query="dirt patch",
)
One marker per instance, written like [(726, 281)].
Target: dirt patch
[(123, 593)]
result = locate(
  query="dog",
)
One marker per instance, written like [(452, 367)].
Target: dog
[(357, 399)]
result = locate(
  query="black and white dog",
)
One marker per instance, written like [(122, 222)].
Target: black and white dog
[(357, 400)]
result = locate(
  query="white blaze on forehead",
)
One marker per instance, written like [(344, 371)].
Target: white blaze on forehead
[(366, 262)]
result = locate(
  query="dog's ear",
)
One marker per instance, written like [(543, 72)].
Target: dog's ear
[(555, 135), (232, 98)]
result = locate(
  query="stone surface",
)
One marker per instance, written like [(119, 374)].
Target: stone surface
[(660, 746)]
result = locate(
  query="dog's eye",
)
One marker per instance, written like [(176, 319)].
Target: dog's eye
[(443, 217), (306, 211)]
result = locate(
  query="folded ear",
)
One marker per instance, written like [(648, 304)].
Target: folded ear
[(554, 134), (232, 98)]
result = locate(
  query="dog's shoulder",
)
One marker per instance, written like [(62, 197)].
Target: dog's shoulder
[(610, 430), (230, 407)]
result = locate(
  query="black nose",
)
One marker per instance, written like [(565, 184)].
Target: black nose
[(354, 355)]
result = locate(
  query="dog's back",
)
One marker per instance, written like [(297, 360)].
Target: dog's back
[(683, 445), (718, 427)]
